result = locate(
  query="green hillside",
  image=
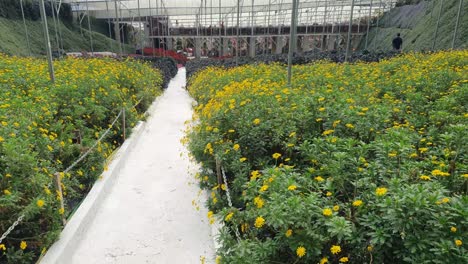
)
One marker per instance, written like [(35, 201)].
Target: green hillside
[(13, 40), (417, 24)]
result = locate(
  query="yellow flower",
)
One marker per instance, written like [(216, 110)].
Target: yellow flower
[(328, 194), (2, 139), (254, 175), (23, 245), (336, 208), (392, 154), (349, 126), (276, 155), (381, 191), (453, 229), (324, 260), (2, 247), (321, 109), (61, 211), (218, 260), (344, 259), (327, 212), (231, 131), (357, 203), (292, 187), (319, 179), (256, 121), (440, 173), (301, 251), (6, 192), (242, 159), (228, 217), (236, 147), (40, 203), (50, 148), (335, 249), (328, 132), (263, 188), (424, 177), (259, 222), (458, 242), (288, 233), (370, 248), (258, 201)]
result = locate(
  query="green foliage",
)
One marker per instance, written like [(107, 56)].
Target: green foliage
[(45, 127), (367, 158)]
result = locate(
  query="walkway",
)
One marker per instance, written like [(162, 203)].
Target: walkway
[(148, 217)]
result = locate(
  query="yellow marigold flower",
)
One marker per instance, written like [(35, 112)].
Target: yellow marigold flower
[(458, 242), (263, 188), (381, 191), (259, 222), (259, 202), (392, 154), (335, 249), (228, 217), (321, 109), (370, 248), (319, 179), (357, 203), (40, 203), (231, 131), (422, 150), (328, 194), (288, 233), (2, 247), (445, 200), (256, 121), (242, 159), (292, 134), (319, 119), (2, 139), (301, 251), (453, 229), (327, 212), (23, 245), (254, 175), (50, 148), (424, 177), (218, 260), (236, 147), (336, 208), (6, 192), (440, 173), (414, 155), (276, 155), (344, 259), (328, 132), (324, 260), (349, 126), (61, 211), (292, 187)]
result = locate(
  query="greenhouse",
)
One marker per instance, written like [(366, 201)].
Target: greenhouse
[(233, 131)]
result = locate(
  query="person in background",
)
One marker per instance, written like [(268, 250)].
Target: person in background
[(397, 43)]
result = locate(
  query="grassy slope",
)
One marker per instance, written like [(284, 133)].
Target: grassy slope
[(417, 24), (13, 39)]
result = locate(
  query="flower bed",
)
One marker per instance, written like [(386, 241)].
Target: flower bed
[(353, 163), (45, 127)]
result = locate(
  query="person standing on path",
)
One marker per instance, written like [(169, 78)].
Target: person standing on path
[(397, 43)]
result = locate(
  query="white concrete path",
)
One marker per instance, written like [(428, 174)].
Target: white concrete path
[(148, 217)]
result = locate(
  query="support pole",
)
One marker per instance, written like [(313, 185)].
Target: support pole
[(142, 29), (47, 41), (124, 126), (117, 27), (58, 186), (368, 24), (457, 23), (237, 34), (25, 27), (89, 27), (110, 27), (437, 25), (292, 39), (350, 25)]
